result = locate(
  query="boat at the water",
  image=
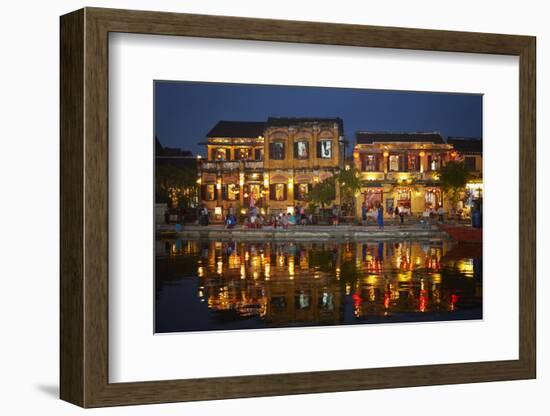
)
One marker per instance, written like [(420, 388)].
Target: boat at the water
[(463, 233)]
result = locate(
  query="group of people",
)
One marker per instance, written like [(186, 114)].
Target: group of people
[(375, 212), (298, 216), (255, 219)]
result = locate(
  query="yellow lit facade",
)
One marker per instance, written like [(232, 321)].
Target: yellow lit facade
[(400, 169), (271, 165)]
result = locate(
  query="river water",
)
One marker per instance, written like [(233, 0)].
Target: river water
[(214, 285)]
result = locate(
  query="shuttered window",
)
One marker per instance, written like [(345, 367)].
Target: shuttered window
[(324, 149), (370, 163), (208, 192), (277, 192), (301, 150), (393, 163), (277, 150), (301, 190), (413, 163)]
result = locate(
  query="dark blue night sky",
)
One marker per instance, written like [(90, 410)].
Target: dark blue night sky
[(186, 111)]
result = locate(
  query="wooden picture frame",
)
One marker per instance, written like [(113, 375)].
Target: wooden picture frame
[(84, 207)]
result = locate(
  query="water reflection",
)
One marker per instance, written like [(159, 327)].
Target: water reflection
[(213, 285)]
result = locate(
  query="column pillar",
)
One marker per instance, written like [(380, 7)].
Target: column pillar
[(219, 190), (265, 193), (241, 187), (290, 188)]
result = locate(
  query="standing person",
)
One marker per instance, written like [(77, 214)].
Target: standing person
[(291, 219), (298, 213), (426, 217), (204, 215), (284, 220), (303, 216), (380, 217), (401, 213), (253, 212), (364, 213), (334, 215), (440, 213)]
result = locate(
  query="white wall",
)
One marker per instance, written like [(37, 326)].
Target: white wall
[(29, 178)]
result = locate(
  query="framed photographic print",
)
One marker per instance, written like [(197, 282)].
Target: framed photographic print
[(335, 207)]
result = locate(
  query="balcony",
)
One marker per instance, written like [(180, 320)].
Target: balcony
[(218, 165), (253, 164), (398, 176), (372, 176)]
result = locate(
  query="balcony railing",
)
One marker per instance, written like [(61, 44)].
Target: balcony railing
[(215, 165), (398, 176), (219, 165), (253, 164)]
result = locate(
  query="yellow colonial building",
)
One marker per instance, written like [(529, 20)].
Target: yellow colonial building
[(300, 152), (271, 165), (470, 151), (399, 169)]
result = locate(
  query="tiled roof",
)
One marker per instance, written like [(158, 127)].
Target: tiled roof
[(367, 137), (466, 145), (237, 129)]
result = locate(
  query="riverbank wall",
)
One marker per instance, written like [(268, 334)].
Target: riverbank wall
[(307, 233)]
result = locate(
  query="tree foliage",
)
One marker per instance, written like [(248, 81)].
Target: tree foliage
[(453, 178), (175, 184), (323, 193), (350, 184)]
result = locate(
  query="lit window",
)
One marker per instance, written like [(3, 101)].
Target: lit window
[(301, 150), (280, 192), (403, 195), (243, 154), (277, 151), (393, 163), (232, 192), (210, 192), (221, 154), (301, 191), (414, 163), (254, 190), (434, 162), (433, 198), (370, 163), (325, 149)]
